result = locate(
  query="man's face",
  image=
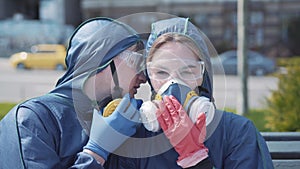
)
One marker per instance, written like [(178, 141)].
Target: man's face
[(129, 66), (130, 75)]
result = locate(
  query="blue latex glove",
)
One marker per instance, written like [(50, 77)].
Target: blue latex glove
[(108, 133)]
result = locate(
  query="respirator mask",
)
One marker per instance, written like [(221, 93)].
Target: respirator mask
[(189, 99)]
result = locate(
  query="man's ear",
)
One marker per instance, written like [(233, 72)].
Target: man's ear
[(89, 87)]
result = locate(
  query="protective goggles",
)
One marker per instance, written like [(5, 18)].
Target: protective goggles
[(184, 69), (133, 60)]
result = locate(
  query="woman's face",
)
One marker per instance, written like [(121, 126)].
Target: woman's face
[(174, 60)]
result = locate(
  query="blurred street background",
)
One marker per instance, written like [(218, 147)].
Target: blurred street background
[(272, 24)]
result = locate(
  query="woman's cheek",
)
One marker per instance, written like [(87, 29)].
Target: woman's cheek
[(156, 85)]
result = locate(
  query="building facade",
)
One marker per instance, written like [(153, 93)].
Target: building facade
[(267, 19)]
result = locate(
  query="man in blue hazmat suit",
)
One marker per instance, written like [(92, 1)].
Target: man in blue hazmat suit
[(52, 131)]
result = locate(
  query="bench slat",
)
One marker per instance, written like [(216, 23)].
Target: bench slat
[(284, 149), (286, 164), (281, 136)]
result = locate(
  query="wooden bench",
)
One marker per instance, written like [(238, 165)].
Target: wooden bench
[(284, 148)]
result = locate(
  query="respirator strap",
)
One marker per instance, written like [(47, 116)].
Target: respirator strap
[(189, 96), (104, 102), (117, 93)]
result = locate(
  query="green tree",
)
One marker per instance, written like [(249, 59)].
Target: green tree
[(284, 103)]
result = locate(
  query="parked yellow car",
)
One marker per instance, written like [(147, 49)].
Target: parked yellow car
[(42, 56)]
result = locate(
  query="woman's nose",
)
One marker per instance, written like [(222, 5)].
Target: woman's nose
[(174, 75)]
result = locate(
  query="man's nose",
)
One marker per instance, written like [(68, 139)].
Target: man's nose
[(142, 77)]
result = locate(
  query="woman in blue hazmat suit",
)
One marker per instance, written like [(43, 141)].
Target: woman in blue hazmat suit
[(232, 141), (181, 126), (52, 131)]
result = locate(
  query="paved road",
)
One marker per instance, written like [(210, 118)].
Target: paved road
[(18, 85)]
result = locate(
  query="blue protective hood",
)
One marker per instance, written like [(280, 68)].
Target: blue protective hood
[(91, 48), (185, 27)]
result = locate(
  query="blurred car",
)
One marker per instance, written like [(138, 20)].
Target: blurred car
[(258, 64), (42, 56)]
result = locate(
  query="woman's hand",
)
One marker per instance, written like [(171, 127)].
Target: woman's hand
[(186, 137)]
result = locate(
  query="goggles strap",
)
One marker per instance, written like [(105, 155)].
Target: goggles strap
[(101, 104), (117, 93), (153, 93), (205, 89)]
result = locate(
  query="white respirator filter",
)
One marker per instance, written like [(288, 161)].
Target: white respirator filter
[(194, 105), (148, 116), (199, 105)]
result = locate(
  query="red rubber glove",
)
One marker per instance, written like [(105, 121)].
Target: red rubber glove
[(187, 138)]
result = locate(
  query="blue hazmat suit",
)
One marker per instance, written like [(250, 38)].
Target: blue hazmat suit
[(50, 131)]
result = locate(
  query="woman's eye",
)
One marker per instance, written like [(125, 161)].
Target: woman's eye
[(186, 71), (162, 73)]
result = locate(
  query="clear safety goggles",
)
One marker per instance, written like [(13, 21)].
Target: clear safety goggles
[(184, 69), (133, 60)]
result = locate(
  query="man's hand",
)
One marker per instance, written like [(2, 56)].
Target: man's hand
[(108, 133)]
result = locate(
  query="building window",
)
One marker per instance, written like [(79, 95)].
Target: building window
[(256, 31), (256, 18)]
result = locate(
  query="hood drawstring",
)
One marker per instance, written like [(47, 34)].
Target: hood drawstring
[(117, 93)]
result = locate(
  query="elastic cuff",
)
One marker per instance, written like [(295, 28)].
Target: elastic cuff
[(96, 149), (193, 159)]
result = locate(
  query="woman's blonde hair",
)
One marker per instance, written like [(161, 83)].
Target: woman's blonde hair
[(174, 37)]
